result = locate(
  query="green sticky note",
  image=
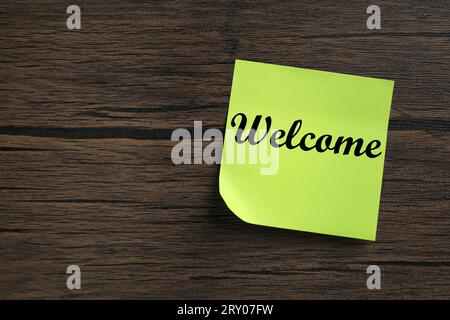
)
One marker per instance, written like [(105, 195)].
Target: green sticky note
[(305, 149)]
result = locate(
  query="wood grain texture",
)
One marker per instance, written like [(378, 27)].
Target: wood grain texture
[(85, 171)]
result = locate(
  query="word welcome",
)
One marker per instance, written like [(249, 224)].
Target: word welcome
[(306, 142)]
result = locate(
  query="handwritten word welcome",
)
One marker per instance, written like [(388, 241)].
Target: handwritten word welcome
[(307, 142)]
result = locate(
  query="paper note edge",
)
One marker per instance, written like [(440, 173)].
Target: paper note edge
[(380, 192), (316, 70)]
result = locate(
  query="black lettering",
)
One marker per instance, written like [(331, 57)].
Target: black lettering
[(302, 143), (253, 129), (349, 142), (241, 127), (369, 149), (274, 137), (319, 141), (295, 128), (323, 143)]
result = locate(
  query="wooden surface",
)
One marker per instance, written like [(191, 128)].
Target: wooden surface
[(85, 171)]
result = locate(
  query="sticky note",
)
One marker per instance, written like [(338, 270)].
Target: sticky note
[(305, 149)]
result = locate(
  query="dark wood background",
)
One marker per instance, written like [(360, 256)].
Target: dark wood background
[(85, 170)]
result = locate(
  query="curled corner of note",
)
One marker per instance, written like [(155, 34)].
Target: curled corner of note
[(230, 199)]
